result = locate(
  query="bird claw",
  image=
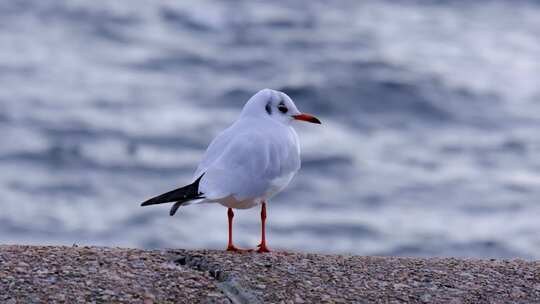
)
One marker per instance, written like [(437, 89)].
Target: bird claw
[(262, 248)]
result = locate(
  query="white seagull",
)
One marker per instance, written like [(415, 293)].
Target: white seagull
[(248, 163)]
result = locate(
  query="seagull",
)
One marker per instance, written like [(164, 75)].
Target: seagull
[(248, 163)]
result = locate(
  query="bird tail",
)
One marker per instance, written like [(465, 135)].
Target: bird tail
[(179, 196)]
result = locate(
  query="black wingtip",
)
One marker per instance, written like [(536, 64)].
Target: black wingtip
[(183, 194), (152, 201), (175, 207), (198, 180)]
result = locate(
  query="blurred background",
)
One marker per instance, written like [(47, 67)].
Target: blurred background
[(430, 144)]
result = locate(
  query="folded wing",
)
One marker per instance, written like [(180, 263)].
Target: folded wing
[(244, 167)]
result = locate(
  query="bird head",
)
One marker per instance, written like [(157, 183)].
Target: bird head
[(275, 105)]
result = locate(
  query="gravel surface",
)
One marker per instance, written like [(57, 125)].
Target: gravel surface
[(32, 274)]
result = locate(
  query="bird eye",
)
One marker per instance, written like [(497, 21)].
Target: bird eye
[(283, 109)]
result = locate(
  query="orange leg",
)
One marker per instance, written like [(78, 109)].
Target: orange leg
[(262, 246), (230, 246)]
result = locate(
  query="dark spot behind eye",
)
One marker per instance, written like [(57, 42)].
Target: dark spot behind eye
[(268, 109), (283, 109)]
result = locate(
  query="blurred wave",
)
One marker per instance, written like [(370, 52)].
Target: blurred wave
[(429, 145)]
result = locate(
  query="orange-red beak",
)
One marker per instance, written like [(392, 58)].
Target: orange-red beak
[(307, 117)]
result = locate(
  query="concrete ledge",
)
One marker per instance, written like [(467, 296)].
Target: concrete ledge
[(33, 274)]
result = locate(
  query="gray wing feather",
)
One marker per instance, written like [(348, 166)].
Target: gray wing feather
[(242, 169)]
